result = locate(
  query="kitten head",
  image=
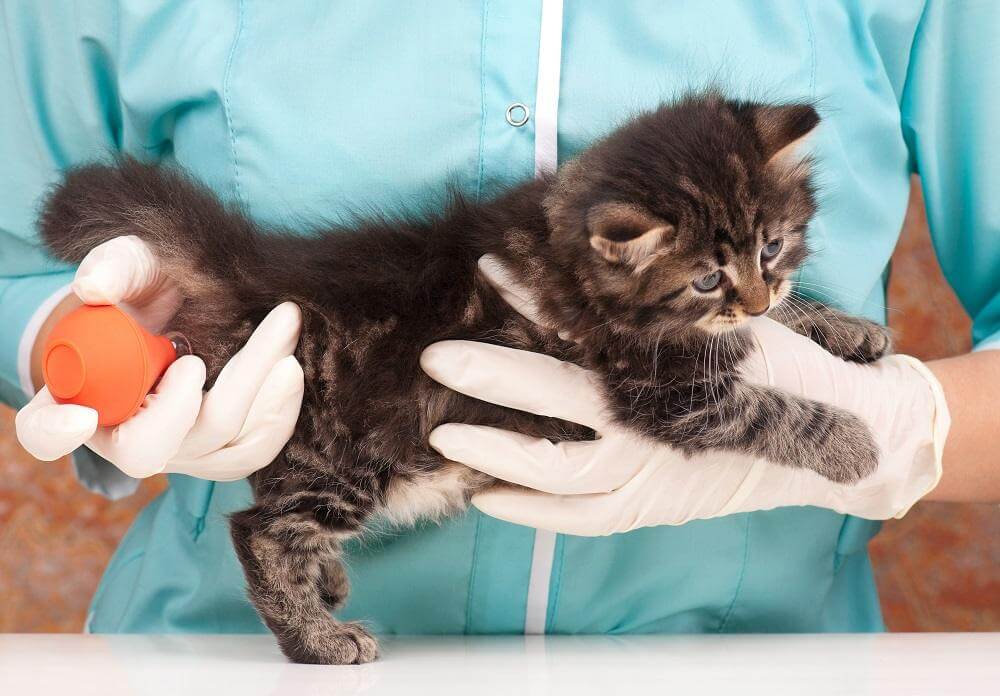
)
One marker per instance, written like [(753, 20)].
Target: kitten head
[(689, 217)]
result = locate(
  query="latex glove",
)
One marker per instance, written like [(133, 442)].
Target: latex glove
[(224, 434), (623, 481)]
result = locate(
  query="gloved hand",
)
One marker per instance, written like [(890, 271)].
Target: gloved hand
[(229, 432), (623, 481)]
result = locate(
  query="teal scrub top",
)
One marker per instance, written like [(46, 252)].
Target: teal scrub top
[(314, 109)]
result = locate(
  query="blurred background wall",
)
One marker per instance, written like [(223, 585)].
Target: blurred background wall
[(938, 569)]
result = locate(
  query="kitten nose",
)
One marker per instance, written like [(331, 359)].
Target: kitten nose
[(756, 299)]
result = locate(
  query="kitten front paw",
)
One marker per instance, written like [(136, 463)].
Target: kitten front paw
[(333, 643), (860, 341), (849, 452)]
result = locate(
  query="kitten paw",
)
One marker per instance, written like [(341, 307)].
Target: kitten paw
[(861, 341), (849, 453), (334, 644)]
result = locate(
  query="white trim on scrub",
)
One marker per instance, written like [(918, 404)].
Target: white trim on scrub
[(546, 114)]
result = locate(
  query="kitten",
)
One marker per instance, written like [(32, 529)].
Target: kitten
[(654, 244)]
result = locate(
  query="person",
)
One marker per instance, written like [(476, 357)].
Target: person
[(317, 109)]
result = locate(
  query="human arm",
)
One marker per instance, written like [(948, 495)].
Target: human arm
[(950, 108), (971, 464), (224, 434), (52, 116), (948, 114), (60, 106), (622, 481)]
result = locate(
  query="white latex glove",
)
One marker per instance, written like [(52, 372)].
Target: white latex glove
[(224, 434), (623, 481)]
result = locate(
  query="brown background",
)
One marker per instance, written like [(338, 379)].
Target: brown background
[(938, 569)]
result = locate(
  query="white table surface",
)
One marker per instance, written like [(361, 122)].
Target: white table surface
[(939, 664)]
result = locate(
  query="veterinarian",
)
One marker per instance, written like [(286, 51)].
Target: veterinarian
[(309, 109)]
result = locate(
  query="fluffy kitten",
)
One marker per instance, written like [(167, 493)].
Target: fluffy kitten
[(656, 242)]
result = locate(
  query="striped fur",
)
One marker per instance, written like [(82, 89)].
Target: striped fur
[(713, 181)]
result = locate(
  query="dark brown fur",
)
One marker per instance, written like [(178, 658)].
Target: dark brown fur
[(612, 245)]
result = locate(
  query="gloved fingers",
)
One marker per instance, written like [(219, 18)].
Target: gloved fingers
[(279, 400), (518, 379), (124, 270), (512, 292), (797, 356), (516, 295), (580, 515), (269, 424), (142, 445), (225, 408), (565, 468), (119, 270), (792, 362), (49, 430)]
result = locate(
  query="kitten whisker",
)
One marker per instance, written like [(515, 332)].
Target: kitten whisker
[(811, 317), (836, 294)]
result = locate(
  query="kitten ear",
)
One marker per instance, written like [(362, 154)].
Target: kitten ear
[(782, 131), (624, 233)]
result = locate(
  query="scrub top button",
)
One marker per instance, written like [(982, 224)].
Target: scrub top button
[(517, 114)]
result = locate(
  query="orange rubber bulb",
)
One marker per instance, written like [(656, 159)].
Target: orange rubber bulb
[(101, 358)]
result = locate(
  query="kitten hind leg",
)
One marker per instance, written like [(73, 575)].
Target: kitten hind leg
[(282, 555), (334, 584), (848, 337)]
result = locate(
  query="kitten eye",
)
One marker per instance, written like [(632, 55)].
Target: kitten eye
[(771, 249), (709, 282)]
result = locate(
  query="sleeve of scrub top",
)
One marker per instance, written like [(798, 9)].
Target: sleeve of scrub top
[(58, 106), (951, 111)]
